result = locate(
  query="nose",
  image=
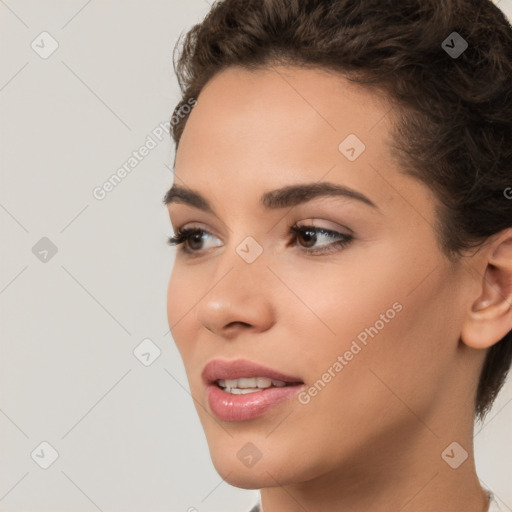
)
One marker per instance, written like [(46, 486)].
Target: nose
[(238, 300)]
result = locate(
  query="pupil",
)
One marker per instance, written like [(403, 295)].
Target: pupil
[(309, 236), (195, 238)]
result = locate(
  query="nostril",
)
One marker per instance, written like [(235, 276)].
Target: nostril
[(238, 323)]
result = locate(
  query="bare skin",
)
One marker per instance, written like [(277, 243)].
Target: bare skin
[(372, 439)]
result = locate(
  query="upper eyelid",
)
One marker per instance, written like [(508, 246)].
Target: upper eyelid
[(183, 224), (193, 225)]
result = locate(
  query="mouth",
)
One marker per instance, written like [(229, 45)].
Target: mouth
[(245, 374), (240, 390), (245, 385)]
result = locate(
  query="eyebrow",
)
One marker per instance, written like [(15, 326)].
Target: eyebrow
[(288, 196)]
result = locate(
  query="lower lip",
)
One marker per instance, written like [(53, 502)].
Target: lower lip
[(229, 407)]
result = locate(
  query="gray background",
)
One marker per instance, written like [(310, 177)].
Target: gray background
[(127, 435)]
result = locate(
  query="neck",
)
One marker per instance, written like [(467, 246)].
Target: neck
[(405, 475)]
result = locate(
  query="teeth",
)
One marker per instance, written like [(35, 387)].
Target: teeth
[(264, 382), (239, 391), (248, 384)]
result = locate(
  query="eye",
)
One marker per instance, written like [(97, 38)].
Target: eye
[(191, 238), (311, 234)]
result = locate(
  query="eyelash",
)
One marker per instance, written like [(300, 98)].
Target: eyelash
[(184, 234)]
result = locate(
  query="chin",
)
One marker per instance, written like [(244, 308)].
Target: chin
[(268, 471), (248, 481)]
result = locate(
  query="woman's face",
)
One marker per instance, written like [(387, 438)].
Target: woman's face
[(371, 328)]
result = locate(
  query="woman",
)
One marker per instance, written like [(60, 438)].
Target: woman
[(342, 292)]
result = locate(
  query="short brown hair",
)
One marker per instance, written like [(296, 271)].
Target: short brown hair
[(453, 113)]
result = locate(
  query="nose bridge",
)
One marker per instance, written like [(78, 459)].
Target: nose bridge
[(240, 288), (244, 267), (246, 247)]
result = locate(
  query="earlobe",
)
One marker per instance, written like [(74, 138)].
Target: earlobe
[(490, 316)]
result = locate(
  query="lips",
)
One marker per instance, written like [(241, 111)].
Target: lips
[(256, 402), (240, 368)]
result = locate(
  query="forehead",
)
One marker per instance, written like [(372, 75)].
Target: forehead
[(253, 131), (269, 110)]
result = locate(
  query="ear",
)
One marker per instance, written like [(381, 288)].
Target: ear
[(490, 316)]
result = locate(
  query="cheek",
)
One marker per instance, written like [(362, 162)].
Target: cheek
[(341, 300), (385, 317)]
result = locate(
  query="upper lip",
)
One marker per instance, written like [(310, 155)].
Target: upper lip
[(238, 368)]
